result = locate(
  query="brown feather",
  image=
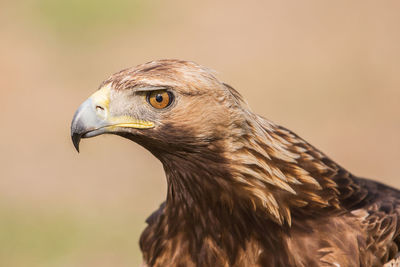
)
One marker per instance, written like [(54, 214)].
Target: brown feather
[(243, 191)]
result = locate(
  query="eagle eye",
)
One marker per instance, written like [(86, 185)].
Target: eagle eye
[(160, 99)]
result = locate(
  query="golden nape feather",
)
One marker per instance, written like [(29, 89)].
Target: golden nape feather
[(242, 191)]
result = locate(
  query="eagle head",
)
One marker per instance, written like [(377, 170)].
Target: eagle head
[(166, 105)]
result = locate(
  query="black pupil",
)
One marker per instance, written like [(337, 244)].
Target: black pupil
[(159, 98)]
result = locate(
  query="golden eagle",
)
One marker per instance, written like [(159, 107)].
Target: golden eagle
[(242, 190)]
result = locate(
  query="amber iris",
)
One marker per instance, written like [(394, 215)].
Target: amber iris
[(159, 99)]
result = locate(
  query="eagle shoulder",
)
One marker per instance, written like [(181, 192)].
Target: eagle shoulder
[(377, 207)]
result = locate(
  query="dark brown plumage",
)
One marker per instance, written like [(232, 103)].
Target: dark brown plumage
[(242, 191)]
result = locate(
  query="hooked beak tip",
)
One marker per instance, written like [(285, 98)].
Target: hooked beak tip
[(76, 139)]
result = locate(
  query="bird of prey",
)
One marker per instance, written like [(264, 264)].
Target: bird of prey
[(242, 190)]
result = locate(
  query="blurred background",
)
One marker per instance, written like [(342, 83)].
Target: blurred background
[(328, 70)]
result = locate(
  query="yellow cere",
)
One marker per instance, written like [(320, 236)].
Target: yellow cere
[(102, 96)]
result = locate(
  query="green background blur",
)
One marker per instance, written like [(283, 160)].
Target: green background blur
[(329, 70)]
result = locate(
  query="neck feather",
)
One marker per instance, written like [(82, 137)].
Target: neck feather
[(261, 167)]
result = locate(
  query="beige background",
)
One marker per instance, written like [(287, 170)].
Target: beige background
[(328, 70)]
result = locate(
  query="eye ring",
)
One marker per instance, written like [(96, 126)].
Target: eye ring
[(160, 99)]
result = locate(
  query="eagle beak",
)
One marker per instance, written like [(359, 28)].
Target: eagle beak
[(93, 118)]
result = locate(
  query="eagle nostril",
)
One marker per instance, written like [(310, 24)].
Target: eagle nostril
[(99, 108), (101, 111)]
